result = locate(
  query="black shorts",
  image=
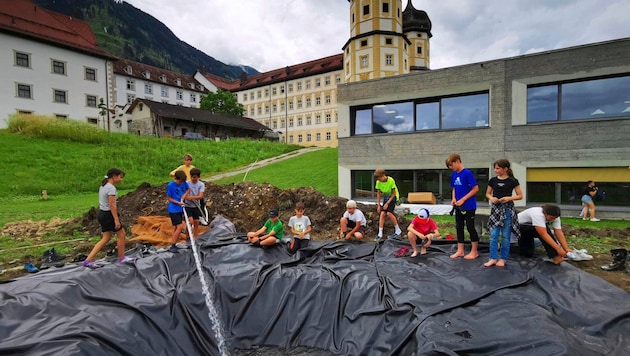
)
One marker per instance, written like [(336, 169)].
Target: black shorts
[(106, 219), (390, 207), (176, 218), (194, 213), (352, 224)]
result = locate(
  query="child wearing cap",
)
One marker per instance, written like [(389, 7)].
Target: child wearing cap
[(354, 220), (424, 228), (270, 233)]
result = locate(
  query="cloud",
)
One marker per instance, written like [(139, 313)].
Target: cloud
[(271, 34)]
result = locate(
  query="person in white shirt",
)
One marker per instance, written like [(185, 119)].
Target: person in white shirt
[(354, 220), (538, 222)]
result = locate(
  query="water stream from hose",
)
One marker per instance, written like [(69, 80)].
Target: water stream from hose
[(207, 290)]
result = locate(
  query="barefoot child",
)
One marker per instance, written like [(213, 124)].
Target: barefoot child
[(503, 216), (108, 218), (300, 226), (354, 220), (463, 199), (270, 234), (424, 229)]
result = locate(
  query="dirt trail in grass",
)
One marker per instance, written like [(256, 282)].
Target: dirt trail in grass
[(262, 163)]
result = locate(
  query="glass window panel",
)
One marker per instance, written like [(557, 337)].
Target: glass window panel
[(428, 116), (596, 99), (465, 111), (542, 103), (363, 184), (393, 118), (363, 122)]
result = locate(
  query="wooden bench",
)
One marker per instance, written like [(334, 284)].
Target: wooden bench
[(421, 198)]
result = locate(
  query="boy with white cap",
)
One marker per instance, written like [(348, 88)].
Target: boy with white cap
[(424, 228), (354, 220)]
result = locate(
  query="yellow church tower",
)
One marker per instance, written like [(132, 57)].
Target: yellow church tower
[(381, 44)]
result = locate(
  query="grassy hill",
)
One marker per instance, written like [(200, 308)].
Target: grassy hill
[(68, 159)]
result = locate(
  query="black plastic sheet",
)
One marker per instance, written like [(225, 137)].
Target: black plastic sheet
[(344, 298)]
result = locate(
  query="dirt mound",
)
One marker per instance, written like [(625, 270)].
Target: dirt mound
[(246, 205)]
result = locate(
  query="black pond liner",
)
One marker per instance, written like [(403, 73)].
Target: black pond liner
[(334, 298)]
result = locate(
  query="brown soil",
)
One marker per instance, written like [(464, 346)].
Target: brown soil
[(247, 204)]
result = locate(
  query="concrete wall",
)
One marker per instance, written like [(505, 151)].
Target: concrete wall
[(584, 143)]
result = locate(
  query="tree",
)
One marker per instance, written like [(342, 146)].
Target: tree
[(221, 102)]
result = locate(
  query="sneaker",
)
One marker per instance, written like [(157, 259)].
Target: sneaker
[(595, 219), (182, 245), (393, 236), (90, 265), (173, 249), (582, 256), (586, 219), (378, 238), (126, 259), (30, 268)]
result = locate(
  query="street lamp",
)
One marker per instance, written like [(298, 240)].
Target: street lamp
[(286, 106)]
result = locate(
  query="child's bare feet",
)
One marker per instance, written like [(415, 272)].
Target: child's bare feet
[(501, 263), (414, 254), (491, 263), (457, 254), (423, 250), (471, 256), (558, 260)]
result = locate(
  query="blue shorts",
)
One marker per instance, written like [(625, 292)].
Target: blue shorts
[(587, 198)]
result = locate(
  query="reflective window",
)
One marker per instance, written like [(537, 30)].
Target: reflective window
[(591, 99), (441, 113), (363, 122), (465, 111), (393, 118), (428, 116), (596, 99), (542, 103)]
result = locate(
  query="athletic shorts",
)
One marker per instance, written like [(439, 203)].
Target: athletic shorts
[(194, 213), (176, 218), (391, 206), (106, 219), (352, 224)]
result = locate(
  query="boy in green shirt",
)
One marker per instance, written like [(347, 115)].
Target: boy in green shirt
[(386, 187), (270, 233)]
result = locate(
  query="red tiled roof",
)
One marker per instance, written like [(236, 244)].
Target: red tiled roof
[(137, 70), (318, 66), (24, 18)]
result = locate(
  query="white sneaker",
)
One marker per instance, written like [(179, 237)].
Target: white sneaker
[(595, 219), (581, 256)]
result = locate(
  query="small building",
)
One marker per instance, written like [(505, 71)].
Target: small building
[(152, 118)]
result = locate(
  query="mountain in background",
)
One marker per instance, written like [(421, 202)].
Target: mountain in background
[(130, 33)]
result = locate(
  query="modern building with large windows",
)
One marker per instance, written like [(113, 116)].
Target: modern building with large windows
[(561, 117)]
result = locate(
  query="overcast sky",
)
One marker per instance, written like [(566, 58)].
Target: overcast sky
[(271, 34)]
